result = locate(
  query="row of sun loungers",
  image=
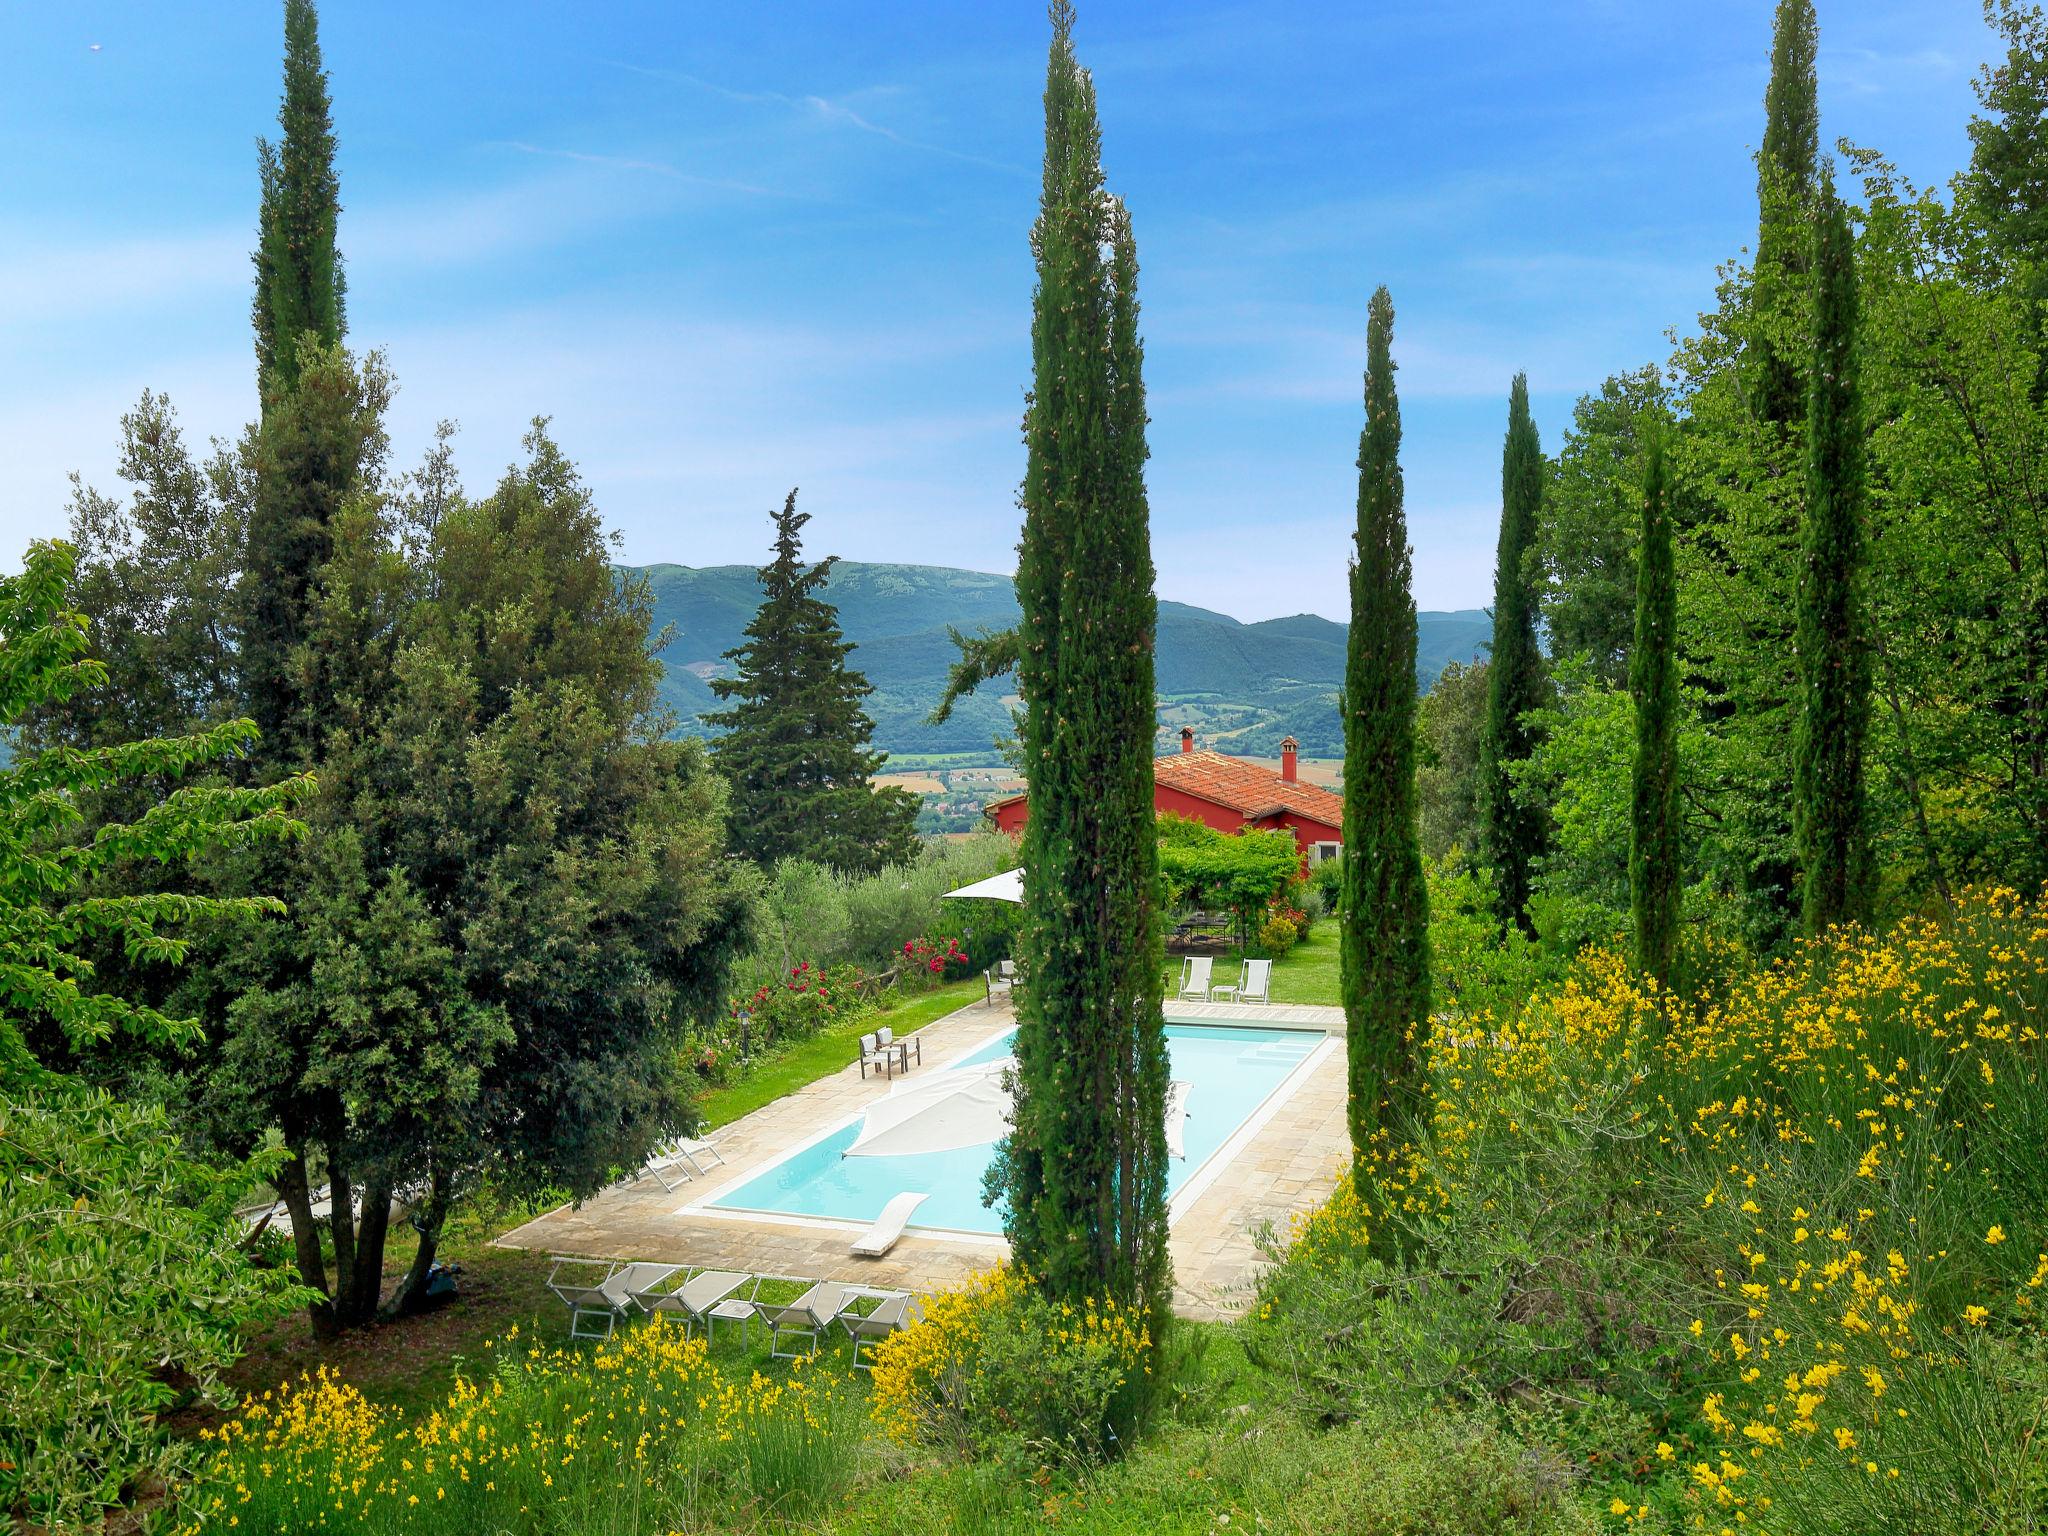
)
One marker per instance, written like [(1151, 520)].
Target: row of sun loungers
[(680, 1160), (601, 1293)]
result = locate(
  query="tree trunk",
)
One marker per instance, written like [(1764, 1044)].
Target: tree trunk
[(298, 1199), (428, 1217), (362, 1287)]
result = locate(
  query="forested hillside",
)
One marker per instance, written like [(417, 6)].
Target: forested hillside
[(1246, 685)]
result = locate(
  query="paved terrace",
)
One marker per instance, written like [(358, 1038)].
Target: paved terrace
[(1288, 1164)]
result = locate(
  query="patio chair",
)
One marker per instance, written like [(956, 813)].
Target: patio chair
[(885, 1037), (805, 1318), (1194, 978), (1002, 981), (893, 1312), (1177, 1118), (1255, 985), (881, 1237), (601, 1289), (872, 1054), (700, 1297)]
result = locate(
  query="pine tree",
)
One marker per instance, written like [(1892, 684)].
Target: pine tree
[(1834, 656), (1083, 1171), (1785, 170), (796, 744), (1384, 916), (304, 471), (300, 286), (1653, 850), (1516, 682)]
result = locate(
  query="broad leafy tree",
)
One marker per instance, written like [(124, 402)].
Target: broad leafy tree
[(1083, 1172), (121, 1273), (796, 745), (1384, 912), (1516, 682)]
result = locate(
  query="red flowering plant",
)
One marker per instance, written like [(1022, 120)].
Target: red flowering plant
[(792, 1007), (927, 962)]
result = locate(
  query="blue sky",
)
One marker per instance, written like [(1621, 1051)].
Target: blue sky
[(734, 249)]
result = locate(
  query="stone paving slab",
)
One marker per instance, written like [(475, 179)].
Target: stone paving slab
[(1287, 1166)]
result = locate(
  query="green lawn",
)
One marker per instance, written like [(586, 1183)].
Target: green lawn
[(1307, 973), (785, 1071)]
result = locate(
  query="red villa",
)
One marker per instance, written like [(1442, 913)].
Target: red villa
[(1229, 794)]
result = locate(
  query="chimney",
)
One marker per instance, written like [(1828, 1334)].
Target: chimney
[(1288, 763), (1187, 738)]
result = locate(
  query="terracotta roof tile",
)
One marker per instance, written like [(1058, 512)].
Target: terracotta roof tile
[(1246, 787)]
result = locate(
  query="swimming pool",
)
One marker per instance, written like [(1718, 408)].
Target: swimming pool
[(1232, 1072)]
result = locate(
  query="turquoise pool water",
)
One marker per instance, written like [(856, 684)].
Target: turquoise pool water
[(1230, 1071)]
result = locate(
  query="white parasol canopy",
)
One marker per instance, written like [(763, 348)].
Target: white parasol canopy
[(963, 1107), (1008, 886), (968, 1107)]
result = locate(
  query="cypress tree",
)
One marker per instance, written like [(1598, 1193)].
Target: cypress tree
[(303, 472), (796, 745), (1384, 915), (1653, 851), (1083, 1172), (300, 286), (1834, 657), (1513, 830), (1785, 170)]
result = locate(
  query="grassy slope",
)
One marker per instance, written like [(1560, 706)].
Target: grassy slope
[(788, 1070)]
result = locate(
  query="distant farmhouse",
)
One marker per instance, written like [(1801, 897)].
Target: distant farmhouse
[(1229, 794)]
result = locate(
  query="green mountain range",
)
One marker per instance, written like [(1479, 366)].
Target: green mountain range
[(1241, 686)]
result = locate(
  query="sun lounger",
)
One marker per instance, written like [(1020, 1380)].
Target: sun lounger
[(1255, 985), (673, 1163), (696, 1296), (881, 1237), (805, 1318), (1194, 978), (594, 1289), (893, 1312), (872, 1054)]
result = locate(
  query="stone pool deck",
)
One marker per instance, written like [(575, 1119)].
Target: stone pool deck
[(1286, 1165)]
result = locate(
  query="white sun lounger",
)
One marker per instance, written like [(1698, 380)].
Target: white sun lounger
[(696, 1298), (674, 1162), (1194, 978), (881, 1237), (894, 1311), (805, 1318), (601, 1288), (1255, 985)]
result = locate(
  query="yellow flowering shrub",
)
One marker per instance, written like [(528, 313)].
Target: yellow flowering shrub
[(995, 1369), (1794, 1225), (556, 1438)]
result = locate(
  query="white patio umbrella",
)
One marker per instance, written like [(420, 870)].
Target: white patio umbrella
[(964, 1107), (1008, 886)]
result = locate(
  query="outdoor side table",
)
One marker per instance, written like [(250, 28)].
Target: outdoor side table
[(732, 1310)]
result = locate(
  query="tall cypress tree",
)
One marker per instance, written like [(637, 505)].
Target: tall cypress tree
[(796, 749), (1384, 917), (303, 474), (300, 286), (1515, 675), (1786, 164), (1834, 655), (1083, 1170), (1653, 847)]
